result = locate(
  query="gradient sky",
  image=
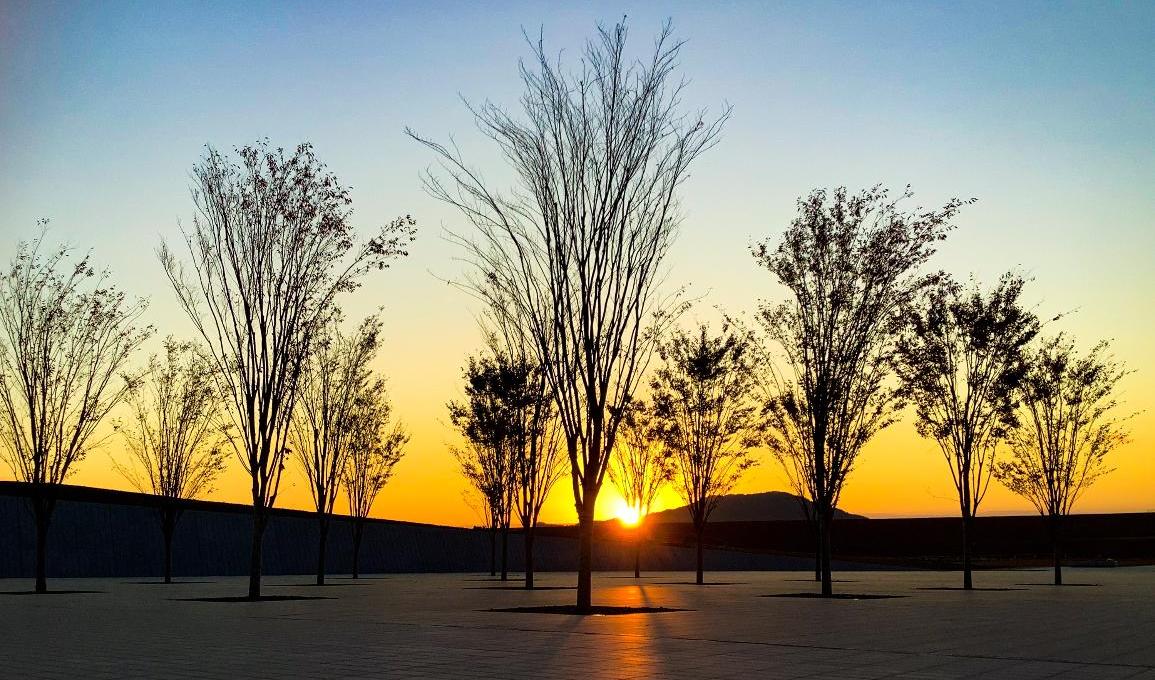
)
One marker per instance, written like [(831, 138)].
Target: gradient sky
[(1043, 111)]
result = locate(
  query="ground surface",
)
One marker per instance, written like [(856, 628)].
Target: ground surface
[(440, 626)]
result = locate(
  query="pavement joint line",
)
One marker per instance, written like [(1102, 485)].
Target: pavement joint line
[(689, 638)]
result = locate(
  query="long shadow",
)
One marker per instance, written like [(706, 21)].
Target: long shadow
[(314, 585), (162, 583), (692, 583), (837, 596), (596, 610), (52, 592), (1062, 585), (988, 590), (521, 588), (245, 598)]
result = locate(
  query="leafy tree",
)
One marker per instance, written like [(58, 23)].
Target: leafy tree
[(960, 359), (174, 435), (375, 447), (1067, 425), (848, 262), (66, 335), (577, 249), (704, 410), (271, 248), (336, 374), (640, 467)]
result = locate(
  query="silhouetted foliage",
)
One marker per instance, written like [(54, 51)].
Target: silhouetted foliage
[(848, 262), (704, 408), (271, 248), (639, 467), (496, 391), (175, 435), (576, 250), (960, 359), (376, 445), (1067, 424), (67, 334), (335, 376)]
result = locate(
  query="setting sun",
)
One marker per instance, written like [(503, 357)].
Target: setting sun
[(628, 515)]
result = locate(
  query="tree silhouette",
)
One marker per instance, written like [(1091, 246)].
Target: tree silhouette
[(534, 434), (577, 249), (375, 448), (1067, 424), (336, 374), (174, 435), (960, 359), (67, 334), (704, 410), (640, 466), (271, 248), (488, 420), (847, 262)]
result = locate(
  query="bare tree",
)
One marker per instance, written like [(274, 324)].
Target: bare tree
[(488, 421), (336, 373), (174, 435), (271, 248), (703, 403), (848, 262), (640, 466), (1066, 427), (960, 358), (67, 335), (375, 448), (577, 249)]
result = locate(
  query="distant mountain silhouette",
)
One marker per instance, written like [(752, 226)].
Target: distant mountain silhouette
[(752, 507)]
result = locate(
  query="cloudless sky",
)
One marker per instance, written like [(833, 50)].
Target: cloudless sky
[(1043, 111)]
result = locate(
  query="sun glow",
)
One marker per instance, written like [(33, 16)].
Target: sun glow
[(628, 515)]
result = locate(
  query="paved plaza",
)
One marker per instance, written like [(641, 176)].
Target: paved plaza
[(441, 626)]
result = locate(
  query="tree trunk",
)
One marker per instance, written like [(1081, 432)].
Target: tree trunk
[(322, 540), (824, 521), (493, 550), (259, 519), (967, 530), (701, 575), (168, 528), (585, 555), (1056, 548), (42, 507), (817, 551), (358, 529), (638, 555), (505, 553), (528, 540)]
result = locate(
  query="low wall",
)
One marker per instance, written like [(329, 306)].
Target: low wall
[(102, 533)]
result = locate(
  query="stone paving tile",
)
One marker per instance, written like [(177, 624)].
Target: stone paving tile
[(437, 626)]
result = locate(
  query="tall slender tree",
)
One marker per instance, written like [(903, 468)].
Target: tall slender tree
[(66, 335), (640, 466), (577, 249), (960, 359), (849, 262), (702, 396), (336, 374), (376, 445), (1068, 423), (271, 248), (175, 436)]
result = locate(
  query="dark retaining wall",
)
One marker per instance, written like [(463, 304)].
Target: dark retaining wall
[(97, 532)]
